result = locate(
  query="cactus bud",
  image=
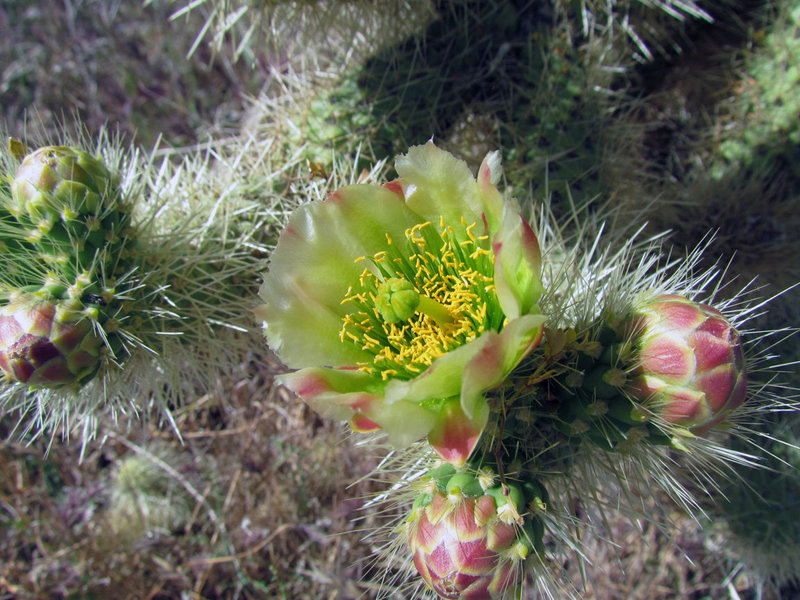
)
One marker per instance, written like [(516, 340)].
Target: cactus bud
[(44, 346), (690, 368), (462, 549)]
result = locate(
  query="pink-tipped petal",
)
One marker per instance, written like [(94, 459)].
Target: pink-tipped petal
[(711, 351), (517, 267), (363, 424), (670, 357), (455, 435), (489, 174), (498, 356), (718, 385), (678, 313), (681, 406)]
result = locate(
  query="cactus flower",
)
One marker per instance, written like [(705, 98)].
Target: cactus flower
[(403, 304), (690, 368)]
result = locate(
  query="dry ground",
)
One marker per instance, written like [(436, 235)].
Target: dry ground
[(261, 506)]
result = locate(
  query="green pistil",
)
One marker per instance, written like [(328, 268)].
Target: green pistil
[(435, 311), (397, 300)]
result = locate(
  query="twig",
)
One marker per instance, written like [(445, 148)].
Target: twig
[(236, 557)]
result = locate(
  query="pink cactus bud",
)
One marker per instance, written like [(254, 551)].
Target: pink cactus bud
[(463, 550), (41, 348), (691, 364)]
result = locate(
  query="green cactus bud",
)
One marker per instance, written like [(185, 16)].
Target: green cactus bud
[(464, 484), (441, 475), (70, 205), (510, 501), (56, 182)]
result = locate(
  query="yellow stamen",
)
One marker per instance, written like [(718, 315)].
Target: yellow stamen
[(454, 281)]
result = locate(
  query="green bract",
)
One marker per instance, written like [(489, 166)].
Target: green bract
[(422, 365)]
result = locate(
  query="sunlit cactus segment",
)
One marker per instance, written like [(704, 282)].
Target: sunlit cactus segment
[(44, 344), (690, 367)]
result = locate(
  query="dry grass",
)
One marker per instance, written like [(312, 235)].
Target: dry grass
[(120, 63), (650, 563)]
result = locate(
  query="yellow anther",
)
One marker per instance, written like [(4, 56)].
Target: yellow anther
[(478, 252), (371, 340)]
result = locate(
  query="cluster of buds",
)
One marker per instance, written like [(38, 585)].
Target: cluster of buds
[(65, 230)]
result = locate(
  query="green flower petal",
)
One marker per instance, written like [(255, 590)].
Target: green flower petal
[(499, 355), (313, 265), (342, 394), (437, 184), (517, 265), (334, 393), (404, 422), (442, 379)]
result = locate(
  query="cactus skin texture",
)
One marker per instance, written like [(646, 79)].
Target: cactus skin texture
[(691, 363), (44, 343)]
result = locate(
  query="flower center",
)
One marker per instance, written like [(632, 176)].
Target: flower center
[(422, 298)]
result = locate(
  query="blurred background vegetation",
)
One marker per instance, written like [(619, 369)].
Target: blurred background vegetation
[(680, 114)]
